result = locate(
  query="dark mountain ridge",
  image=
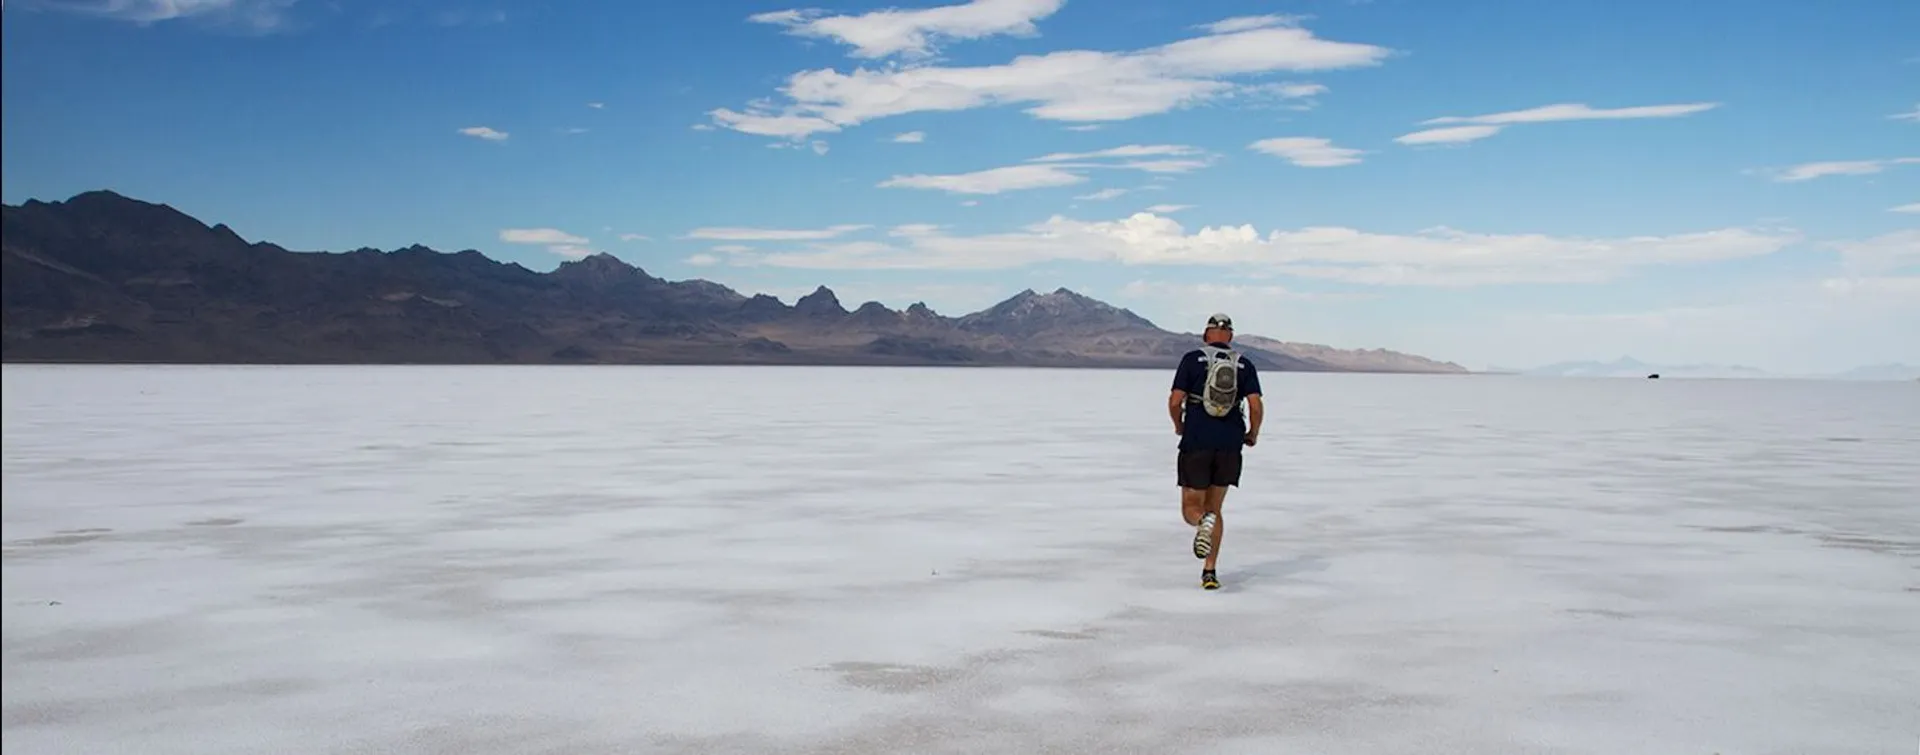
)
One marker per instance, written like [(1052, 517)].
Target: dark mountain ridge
[(104, 278)]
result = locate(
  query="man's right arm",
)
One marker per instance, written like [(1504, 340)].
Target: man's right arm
[(1177, 399)]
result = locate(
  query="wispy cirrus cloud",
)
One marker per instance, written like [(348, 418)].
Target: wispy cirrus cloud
[(1910, 115), (1438, 257), (1060, 169), (735, 233), (1246, 23), (556, 241), (910, 137), (1081, 87), (989, 181), (914, 33), (1813, 170), (484, 132), (1477, 127), (1910, 209), (1308, 152), (257, 16), (1448, 135), (1882, 254)]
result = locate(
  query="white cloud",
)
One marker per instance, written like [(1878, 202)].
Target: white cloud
[(1483, 126), (1130, 150), (910, 137), (1885, 253), (1910, 115), (555, 240), (1911, 209), (539, 236), (771, 234), (703, 127), (913, 33), (1307, 152), (1294, 89), (990, 181), (1246, 23), (1578, 112), (1222, 293), (1085, 127), (597, 105), (1079, 86), (1810, 171), (703, 260), (1060, 169), (1901, 285), (914, 229), (1439, 257), (483, 132), (634, 237), (1449, 135), (1104, 194), (1168, 209), (251, 15)]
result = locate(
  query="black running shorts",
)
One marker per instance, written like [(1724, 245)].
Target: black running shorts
[(1205, 468)]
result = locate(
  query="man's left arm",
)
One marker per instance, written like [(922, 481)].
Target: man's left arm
[(1256, 406)]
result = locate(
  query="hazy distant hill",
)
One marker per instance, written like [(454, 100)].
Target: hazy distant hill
[(1894, 371), (105, 278), (1359, 360), (1628, 367)]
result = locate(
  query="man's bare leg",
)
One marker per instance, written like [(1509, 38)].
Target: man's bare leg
[(1215, 497), (1193, 503)]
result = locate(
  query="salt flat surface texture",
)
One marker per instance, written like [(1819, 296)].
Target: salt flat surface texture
[(823, 560)]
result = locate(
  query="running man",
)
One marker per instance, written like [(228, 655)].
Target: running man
[(1210, 387)]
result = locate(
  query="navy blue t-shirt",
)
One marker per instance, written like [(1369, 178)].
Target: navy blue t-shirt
[(1203, 430)]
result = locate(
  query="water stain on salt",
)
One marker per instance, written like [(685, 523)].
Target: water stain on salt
[(894, 678), (1056, 634), (66, 537)]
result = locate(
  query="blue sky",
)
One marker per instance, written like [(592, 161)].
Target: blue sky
[(1506, 182)]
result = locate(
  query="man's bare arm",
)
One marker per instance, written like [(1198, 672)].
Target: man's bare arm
[(1176, 409), (1256, 412)]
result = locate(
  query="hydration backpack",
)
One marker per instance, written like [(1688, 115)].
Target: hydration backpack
[(1220, 394)]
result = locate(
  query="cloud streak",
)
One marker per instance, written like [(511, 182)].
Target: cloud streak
[(1477, 127), (1074, 86), (1810, 171), (1060, 169), (556, 241), (913, 33), (484, 132), (260, 16), (731, 233), (1308, 152), (1438, 257)]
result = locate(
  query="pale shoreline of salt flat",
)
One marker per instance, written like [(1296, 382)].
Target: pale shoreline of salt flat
[(531, 560)]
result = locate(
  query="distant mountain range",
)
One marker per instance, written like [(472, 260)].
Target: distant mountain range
[(104, 278), (1628, 367)]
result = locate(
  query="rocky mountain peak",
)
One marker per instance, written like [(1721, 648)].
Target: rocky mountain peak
[(821, 302), (601, 269), (1030, 312)]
